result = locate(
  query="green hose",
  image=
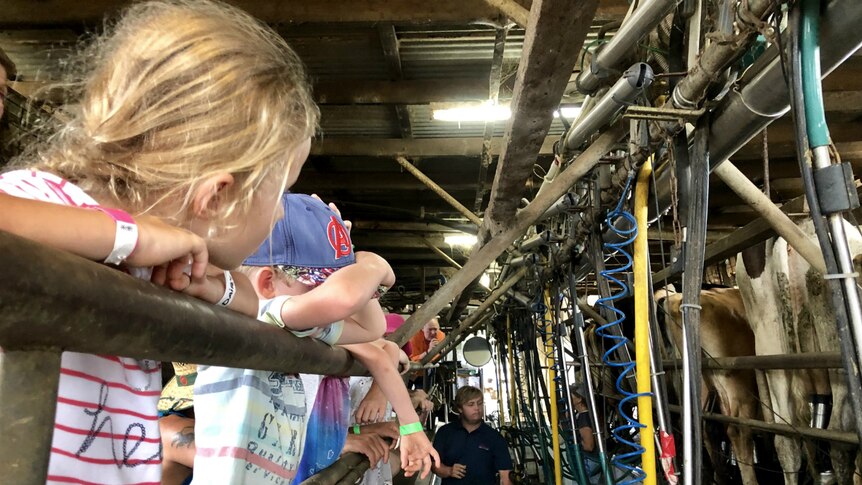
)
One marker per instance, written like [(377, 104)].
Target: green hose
[(815, 116)]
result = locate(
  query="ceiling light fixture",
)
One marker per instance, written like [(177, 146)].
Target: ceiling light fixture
[(463, 240), (486, 111)]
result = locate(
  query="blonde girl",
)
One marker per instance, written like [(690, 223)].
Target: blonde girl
[(192, 121)]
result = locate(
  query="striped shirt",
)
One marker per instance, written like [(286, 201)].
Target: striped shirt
[(105, 429)]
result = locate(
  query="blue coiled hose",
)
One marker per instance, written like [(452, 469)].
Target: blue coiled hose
[(623, 432)]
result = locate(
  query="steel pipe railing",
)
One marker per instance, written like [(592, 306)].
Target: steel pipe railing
[(97, 310), (783, 429), (805, 360)]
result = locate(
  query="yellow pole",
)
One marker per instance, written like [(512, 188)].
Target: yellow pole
[(641, 270), (552, 390)]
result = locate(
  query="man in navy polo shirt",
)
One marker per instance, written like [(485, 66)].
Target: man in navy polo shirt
[(470, 451)]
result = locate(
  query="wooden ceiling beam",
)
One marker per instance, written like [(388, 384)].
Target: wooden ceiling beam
[(554, 38), (357, 91), (417, 147), (57, 12)]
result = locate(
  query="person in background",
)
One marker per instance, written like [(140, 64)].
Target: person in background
[(585, 434), (583, 423), (425, 340), (7, 73), (471, 452), (421, 343)]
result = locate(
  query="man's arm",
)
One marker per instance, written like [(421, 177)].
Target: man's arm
[(588, 440), (504, 477), (416, 353)]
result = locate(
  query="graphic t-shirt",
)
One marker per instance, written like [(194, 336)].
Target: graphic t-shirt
[(105, 429), (249, 424)]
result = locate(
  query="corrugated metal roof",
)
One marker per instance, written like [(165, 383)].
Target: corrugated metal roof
[(338, 53), (361, 120)]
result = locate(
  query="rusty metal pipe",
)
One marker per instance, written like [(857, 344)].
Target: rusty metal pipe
[(439, 191), (97, 310)]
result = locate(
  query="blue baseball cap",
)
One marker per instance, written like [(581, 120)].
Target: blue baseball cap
[(311, 235)]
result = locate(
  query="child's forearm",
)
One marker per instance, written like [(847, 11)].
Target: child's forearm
[(213, 287), (91, 234), (344, 293)]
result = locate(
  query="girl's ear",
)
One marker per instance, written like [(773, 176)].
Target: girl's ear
[(264, 282), (208, 197)]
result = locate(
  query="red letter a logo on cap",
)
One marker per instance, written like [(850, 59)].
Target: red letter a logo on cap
[(339, 239)]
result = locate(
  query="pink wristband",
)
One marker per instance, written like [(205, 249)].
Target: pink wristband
[(126, 237)]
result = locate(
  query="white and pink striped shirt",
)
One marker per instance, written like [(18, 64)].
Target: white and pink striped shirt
[(106, 429)]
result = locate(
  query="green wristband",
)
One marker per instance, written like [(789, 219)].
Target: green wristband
[(355, 429), (410, 428)]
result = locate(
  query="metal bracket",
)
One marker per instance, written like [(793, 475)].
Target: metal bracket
[(663, 114)]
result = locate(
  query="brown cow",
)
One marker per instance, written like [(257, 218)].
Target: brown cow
[(724, 332)]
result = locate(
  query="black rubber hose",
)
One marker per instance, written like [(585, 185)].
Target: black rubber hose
[(845, 337)]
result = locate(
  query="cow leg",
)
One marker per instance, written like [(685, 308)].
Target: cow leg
[(736, 394), (787, 448)]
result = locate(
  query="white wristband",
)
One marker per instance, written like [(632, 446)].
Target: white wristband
[(229, 290), (126, 237)]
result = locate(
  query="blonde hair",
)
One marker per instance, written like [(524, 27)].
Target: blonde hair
[(465, 395), (180, 91)]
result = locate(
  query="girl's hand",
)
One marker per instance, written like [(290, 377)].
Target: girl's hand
[(161, 244), (417, 454), (373, 407), (212, 288)]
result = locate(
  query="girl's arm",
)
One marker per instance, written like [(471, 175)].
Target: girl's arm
[(213, 288), (90, 234)]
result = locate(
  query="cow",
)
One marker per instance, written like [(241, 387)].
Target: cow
[(789, 307), (724, 332)]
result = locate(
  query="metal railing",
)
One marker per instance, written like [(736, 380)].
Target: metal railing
[(52, 301)]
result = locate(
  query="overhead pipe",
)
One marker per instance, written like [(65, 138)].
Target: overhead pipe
[(452, 201), (521, 298), (623, 93), (641, 22), (525, 260), (714, 59), (568, 201), (765, 97), (541, 239)]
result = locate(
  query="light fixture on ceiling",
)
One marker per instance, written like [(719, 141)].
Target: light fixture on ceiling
[(485, 111), (463, 240), (569, 112)]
